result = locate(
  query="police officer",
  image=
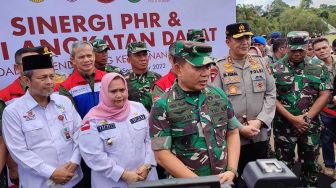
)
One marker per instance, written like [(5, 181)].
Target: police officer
[(140, 80), (101, 48), (248, 82), (192, 126), (38, 129), (303, 88)]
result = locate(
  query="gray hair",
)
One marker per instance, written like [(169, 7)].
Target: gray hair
[(28, 74), (79, 44)]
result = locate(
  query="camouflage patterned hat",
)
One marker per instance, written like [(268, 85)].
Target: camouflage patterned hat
[(196, 35), (195, 53), (238, 30), (99, 45), (298, 40), (136, 47)]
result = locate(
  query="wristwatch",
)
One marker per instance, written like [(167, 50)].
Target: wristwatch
[(307, 119), (233, 171)]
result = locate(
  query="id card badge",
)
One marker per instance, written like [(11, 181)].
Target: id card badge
[(66, 133)]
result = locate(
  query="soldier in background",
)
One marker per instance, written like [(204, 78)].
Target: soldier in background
[(303, 88), (279, 48), (140, 80), (310, 49), (100, 49), (192, 126), (328, 114), (248, 82), (260, 42)]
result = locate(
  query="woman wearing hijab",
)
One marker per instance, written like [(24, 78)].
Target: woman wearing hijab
[(114, 139)]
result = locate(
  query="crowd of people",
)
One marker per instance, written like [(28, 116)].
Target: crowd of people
[(207, 116)]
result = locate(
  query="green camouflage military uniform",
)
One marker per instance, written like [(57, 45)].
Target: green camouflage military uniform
[(140, 86), (196, 35), (193, 126), (99, 46), (298, 86), (109, 68)]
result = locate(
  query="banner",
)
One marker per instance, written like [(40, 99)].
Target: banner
[(57, 23)]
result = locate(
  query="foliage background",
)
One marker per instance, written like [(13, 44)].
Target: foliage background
[(279, 16)]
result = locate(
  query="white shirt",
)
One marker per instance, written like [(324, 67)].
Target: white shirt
[(40, 139), (130, 147)]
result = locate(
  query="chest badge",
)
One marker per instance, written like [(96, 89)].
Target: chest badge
[(61, 117), (233, 89), (109, 141)]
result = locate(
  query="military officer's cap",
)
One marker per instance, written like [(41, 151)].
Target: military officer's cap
[(297, 40), (196, 35), (136, 47), (195, 53), (33, 62), (238, 30), (99, 45)]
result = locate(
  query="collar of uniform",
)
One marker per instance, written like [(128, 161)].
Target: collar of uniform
[(133, 76), (180, 94), (237, 65), (31, 102), (296, 65)]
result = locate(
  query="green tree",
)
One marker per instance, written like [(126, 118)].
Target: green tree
[(301, 20), (276, 7), (324, 14), (305, 4)]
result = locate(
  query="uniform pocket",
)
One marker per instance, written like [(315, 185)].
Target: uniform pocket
[(185, 137), (109, 138), (311, 87), (259, 82), (35, 133)]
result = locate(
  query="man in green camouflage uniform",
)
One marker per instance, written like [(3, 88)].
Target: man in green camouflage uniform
[(100, 48), (303, 88), (166, 82), (140, 81), (192, 126)]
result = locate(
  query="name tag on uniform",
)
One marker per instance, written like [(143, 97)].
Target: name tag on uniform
[(106, 127), (138, 118)]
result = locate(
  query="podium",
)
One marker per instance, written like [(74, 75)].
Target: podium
[(269, 173)]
